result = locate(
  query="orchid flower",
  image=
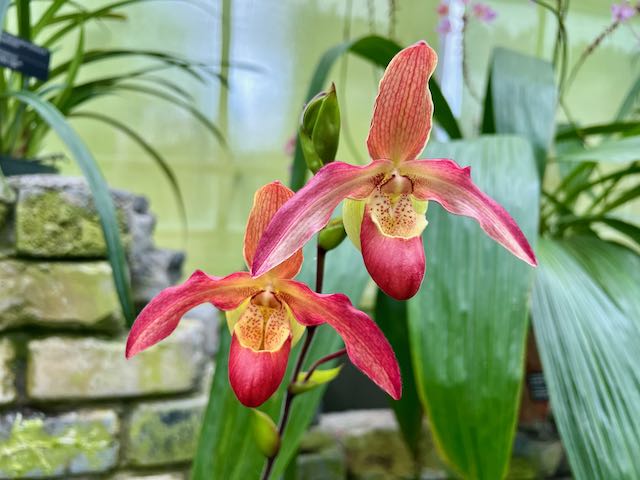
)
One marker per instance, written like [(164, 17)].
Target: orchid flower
[(267, 315), (384, 214)]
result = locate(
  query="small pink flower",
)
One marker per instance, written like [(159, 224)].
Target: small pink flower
[(443, 10), (484, 12), (444, 26), (621, 12)]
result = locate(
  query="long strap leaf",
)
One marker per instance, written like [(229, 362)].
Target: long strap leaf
[(99, 189)]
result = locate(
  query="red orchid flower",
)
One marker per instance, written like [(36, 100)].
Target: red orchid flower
[(387, 199), (266, 315)]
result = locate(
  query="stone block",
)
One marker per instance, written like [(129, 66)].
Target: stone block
[(323, 465), (38, 445), (55, 217), (64, 368), (7, 372), (164, 432), (374, 447), (58, 294)]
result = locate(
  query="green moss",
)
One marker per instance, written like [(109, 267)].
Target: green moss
[(49, 225), (30, 448), (164, 433)]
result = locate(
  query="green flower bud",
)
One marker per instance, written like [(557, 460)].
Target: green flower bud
[(320, 129), (332, 235), (265, 433)]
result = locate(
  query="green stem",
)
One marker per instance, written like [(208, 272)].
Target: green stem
[(289, 396)]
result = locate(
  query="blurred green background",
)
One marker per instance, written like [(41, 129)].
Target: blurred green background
[(273, 47)]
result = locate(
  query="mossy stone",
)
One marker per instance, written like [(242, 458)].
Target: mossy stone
[(58, 294), (164, 432), (42, 446)]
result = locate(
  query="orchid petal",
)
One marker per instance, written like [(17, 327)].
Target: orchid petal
[(366, 345), (445, 182), (352, 213), (161, 316), (396, 264), (255, 375), (402, 114), (310, 209), (266, 202)]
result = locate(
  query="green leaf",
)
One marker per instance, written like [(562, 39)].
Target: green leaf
[(572, 133), (589, 350), (224, 449), (629, 101), (468, 323), (391, 317), (379, 51), (622, 150), (99, 191), (265, 432), (521, 99), (318, 377), (628, 229)]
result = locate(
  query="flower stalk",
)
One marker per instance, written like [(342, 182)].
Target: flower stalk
[(289, 396)]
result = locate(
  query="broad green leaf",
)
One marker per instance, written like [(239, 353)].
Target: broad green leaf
[(391, 317), (379, 51), (468, 323), (521, 99), (99, 191), (588, 342), (224, 449), (318, 377), (622, 150)]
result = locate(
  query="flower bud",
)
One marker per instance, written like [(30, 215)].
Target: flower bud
[(266, 434), (332, 235), (320, 129)]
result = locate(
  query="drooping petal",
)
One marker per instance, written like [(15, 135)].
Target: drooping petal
[(445, 182), (255, 375), (266, 202), (366, 345), (396, 264), (402, 114), (161, 316), (310, 209)]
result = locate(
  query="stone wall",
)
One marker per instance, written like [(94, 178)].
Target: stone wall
[(70, 404)]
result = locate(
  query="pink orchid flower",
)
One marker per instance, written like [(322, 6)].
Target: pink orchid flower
[(267, 315), (384, 214)]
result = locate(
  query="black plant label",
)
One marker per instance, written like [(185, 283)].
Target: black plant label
[(25, 57)]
